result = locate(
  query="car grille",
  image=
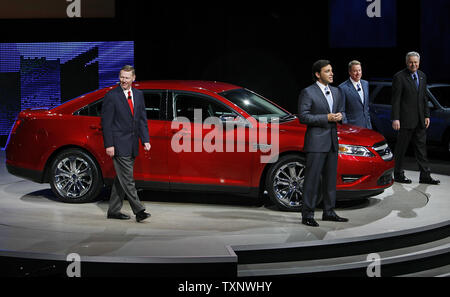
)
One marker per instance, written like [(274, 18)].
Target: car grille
[(383, 150)]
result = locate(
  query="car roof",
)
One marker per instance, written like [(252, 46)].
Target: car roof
[(388, 83), (184, 85), (438, 85), (196, 85), (381, 83)]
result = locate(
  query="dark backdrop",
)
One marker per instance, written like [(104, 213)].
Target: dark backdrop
[(267, 47)]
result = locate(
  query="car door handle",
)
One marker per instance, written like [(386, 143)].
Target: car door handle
[(94, 127), (182, 131)]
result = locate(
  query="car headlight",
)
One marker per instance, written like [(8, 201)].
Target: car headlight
[(354, 150)]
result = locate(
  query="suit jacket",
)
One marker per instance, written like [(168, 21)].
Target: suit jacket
[(121, 129), (409, 103), (356, 112), (313, 110)]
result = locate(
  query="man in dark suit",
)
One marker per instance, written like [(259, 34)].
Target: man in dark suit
[(320, 108), (124, 121), (355, 92), (411, 117)]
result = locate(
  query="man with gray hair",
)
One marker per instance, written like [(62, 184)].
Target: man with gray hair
[(411, 117), (355, 93)]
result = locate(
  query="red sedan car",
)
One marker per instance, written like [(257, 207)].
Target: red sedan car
[(63, 146)]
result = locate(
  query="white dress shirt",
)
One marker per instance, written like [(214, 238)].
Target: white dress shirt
[(361, 92), (126, 95), (329, 97)]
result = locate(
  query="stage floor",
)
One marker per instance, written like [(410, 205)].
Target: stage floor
[(32, 222)]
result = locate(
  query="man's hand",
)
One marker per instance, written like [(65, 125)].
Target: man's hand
[(110, 151), (396, 125), (427, 122), (147, 146), (334, 117)]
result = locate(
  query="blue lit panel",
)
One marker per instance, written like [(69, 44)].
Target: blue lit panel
[(50, 73), (363, 24)]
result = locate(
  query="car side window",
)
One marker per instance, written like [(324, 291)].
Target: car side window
[(442, 94), (372, 88), (93, 110), (384, 96), (185, 105), (153, 102)]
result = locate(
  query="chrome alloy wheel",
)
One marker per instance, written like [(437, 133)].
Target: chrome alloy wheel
[(73, 177), (288, 184)]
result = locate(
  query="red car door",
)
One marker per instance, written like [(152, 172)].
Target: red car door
[(151, 167), (195, 159)]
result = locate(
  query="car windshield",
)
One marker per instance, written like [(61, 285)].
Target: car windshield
[(256, 106), (442, 94)]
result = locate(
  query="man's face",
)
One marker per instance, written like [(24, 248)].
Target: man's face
[(355, 72), (126, 79), (413, 63), (326, 75)]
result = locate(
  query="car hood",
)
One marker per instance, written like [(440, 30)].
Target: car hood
[(348, 134)]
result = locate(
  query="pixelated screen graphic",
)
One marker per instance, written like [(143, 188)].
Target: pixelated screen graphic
[(363, 24), (50, 73)]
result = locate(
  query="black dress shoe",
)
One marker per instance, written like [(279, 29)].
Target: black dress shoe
[(402, 179), (429, 180), (310, 222), (142, 215), (333, 217), (118, 216)]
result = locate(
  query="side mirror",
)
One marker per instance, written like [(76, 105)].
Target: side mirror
[(232, 120)]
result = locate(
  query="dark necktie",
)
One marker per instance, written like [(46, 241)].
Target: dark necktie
[(130, 103)]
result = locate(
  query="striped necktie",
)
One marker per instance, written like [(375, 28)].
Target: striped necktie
[(329, 98), (360, 92)]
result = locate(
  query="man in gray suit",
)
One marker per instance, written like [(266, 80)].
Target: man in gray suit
[(320, 108), (124, 121), (355, 92)]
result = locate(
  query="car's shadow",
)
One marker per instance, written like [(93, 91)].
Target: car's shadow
[(196, 198), (400, 201)]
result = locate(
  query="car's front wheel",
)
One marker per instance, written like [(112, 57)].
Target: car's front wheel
[(75, 177), (284, 183)]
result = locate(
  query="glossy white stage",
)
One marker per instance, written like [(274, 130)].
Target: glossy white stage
[(34, 225)]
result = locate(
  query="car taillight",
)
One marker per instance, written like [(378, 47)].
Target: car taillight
[(16, 125)]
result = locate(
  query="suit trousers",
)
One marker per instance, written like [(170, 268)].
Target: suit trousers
[(419, 140), (320, 177), (124, 186)]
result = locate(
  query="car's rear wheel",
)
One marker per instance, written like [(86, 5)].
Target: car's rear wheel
[(284, 183), (75, 177)]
